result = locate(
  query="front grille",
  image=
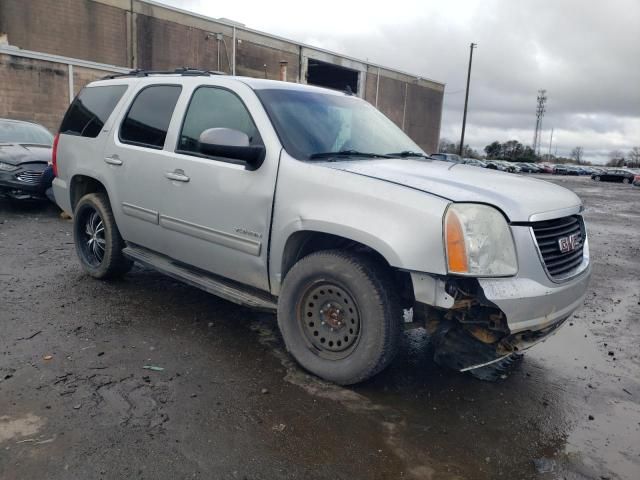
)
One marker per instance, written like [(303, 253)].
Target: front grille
[(29, 176), (548, 235)]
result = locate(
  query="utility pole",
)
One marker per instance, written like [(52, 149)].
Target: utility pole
[(550, 143), (466, 98), (540, 109)]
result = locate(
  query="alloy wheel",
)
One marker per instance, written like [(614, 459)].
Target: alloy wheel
[(93, 241)]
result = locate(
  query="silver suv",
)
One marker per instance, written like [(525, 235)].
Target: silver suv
[(311, 203)]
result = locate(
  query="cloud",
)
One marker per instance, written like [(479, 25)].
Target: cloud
[(584, 53)]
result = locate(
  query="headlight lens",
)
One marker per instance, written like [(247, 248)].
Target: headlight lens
[(7, 167), (478, 241)]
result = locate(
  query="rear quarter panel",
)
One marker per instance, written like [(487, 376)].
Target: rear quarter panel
[(78, 155)]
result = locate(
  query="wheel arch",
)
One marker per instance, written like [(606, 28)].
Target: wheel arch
[(82, 185), (302, 243)]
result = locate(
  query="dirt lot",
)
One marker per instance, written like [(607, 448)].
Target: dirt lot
[(75, 402)]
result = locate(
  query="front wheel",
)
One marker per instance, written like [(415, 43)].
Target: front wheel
[(340, 316), (98, 241), (596, 178)]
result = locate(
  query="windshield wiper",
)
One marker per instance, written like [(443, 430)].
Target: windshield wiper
[(347, 153), (408, 153)]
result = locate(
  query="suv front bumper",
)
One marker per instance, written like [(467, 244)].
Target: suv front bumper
[(532, 300), (533, 304), (530, 305)]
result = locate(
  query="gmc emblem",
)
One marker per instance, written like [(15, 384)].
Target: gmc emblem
[(569, 244)]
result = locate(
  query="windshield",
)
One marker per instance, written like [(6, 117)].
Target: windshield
[(310, 123), (16, 132)]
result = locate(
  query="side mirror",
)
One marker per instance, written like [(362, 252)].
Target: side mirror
[(230, 143)]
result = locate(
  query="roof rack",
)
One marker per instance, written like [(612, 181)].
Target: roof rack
[(184, 71)]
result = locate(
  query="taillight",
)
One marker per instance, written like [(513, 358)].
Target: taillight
[(54, 155)]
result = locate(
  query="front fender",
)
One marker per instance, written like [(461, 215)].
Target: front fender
[(402, 224)]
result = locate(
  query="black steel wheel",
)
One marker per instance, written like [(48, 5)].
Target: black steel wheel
[(98, 241), (330, 320), (340, 315)]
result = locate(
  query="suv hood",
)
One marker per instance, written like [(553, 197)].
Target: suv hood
[(17, 153), (517, 196)]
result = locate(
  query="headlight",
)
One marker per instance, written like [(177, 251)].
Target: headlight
[(7, 167), (478, 241)]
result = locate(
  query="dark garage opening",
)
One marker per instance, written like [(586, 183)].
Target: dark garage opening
[(328, 75)]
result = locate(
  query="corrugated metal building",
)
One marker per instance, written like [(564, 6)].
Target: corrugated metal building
[(49, 49)]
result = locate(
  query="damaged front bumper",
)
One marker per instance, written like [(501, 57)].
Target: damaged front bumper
[(477, 322), (24, 182), (533, 306)]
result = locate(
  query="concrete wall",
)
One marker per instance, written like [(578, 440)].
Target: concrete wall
[(33, 90), (74, 28), (163, 45), (140, 34), (38, 90)]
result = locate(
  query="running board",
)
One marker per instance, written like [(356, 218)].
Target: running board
[(222, 287)]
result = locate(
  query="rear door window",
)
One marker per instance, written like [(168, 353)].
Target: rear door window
[(148, 119), (90, 110)]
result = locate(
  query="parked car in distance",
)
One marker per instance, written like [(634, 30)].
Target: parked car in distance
[(547, 168), (528, 167), (564, 169), (495, 165), (509, 166), (447, 157), (474, 162), (501, 165), (584, 170), (25, 151), (619, 175), (311, 203)]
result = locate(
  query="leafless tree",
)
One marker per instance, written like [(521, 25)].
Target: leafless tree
[(577, 154), (616, 155), (634, 157)]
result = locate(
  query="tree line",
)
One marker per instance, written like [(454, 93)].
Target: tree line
[(617, 158), (515, 151)]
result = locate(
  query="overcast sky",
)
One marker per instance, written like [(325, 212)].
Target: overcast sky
[(585, 53)]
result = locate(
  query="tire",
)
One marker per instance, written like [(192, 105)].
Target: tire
[(626, 181), (97, 239), (597, 178), (340, 316)]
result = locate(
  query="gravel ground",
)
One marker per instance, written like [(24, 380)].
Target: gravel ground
[(76, 402)]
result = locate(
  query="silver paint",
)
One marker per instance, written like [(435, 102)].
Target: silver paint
[(393, 206)]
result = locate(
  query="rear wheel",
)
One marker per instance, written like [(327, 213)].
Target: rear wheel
[(597, 178), (98, 241), (340, 316), (626, 180)]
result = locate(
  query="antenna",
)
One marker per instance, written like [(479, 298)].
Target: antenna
[(540, 109)]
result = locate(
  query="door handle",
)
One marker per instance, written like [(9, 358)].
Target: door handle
[(113, 160), (177, 175)]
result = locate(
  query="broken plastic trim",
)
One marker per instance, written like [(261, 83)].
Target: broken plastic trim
[(474, 333)]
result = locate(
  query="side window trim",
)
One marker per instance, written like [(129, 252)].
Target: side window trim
[(130, 105), (184, 117)]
